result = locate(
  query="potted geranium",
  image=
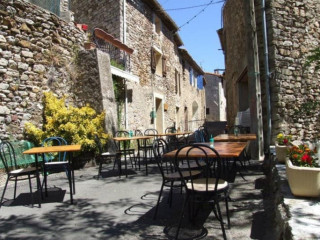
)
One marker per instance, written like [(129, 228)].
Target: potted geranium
[(282, 144), (303, 172)]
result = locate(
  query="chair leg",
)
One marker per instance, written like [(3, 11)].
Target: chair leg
[(4, 190), (221, 220), (160, 193), (227, 210), (170, 194), (15, 188)]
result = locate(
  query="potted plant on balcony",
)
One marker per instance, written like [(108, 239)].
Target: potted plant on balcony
[(282, 144), (303, 172)]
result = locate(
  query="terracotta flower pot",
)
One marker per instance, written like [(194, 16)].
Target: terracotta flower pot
[(303, 181), (281, 153)]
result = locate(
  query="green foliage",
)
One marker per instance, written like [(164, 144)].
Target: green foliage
[(116, 64), (76, 125), (314, 58), (118, 86), (308, 108)]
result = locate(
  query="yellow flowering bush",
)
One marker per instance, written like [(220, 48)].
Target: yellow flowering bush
[(76, 125)]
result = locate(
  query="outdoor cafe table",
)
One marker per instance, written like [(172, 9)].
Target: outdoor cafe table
[(234, 138), (169, 134), (51, 149), (125, 139), (225, 150)]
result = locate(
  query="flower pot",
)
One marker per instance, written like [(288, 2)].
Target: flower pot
[(303, 181), (281, 153)]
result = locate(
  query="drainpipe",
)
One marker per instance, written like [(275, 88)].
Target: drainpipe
[(124, 29), (267, 74)]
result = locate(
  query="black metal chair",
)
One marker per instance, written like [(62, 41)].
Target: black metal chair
[(106, 157), (14, 171), (210, 188), (53, 163), (144, 146), (170, 176), (125, 150)]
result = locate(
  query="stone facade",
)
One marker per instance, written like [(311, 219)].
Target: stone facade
[(292, 32), (154, 91), (215, 99), (37, 52)]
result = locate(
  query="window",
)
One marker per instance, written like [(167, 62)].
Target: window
[(157, 61), (157, 24), (207, 111)]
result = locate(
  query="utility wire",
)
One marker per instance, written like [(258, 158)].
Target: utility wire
[(175, 9), (207, 5)]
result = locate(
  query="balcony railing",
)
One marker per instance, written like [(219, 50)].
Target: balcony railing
[(119, 52)]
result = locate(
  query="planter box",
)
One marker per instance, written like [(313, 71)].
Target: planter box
[(281, 153), (303, 181)]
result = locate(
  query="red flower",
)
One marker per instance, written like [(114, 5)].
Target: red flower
[(306, 158), (285, 141)]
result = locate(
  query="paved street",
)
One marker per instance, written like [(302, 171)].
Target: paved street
[(122, 208)]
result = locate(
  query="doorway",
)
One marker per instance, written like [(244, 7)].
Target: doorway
[(159, 112)]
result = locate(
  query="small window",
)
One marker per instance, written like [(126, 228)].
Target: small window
[(156, 62), (157, 24), (177, 83), (207, 111)]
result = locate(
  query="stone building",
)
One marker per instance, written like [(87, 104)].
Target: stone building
[(266, 44), (41, 52), (215, 98), (161, 80)]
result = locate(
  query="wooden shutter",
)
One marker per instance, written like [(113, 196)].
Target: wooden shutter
[(153, 61), (164, 66)]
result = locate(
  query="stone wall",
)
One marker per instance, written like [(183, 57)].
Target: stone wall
[(215, 99), (106, 15), (37, 53), (293, 31), (140, 36), (236, 53)]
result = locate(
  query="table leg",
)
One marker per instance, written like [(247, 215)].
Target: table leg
[(145, 155), (38, 181), (70, 177)]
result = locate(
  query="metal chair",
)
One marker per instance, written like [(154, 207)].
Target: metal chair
[(170, 175), (14, 171), (145, 146), (125, 150), (105, 157), (210, 188), (57, 163)]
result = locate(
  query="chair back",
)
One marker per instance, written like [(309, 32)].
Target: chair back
[(98, 143), (165, 165), (205, 133), (54, 141), (120, 144), (212, 169), (150, 131), (138, 132), (8, 156), (198, 136)]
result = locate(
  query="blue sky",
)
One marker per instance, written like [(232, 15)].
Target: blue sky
[(199, 36)]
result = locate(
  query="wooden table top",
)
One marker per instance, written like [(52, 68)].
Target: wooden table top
[(234, 138), (225, 149), (131, 138), (64, 148)]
